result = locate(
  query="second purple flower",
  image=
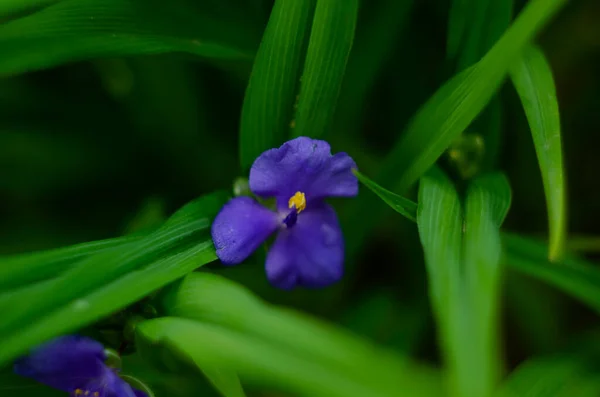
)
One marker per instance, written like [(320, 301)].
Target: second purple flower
[(309, 248)]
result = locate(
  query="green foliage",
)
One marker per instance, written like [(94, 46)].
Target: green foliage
[(474, 27), (275, 346), (100, 284), (114, 113), (454, 106), (269, 102), (73, 30), (400, 204), (575, 276), (331, 39), (568, 373), (533, 80), (462, 254)]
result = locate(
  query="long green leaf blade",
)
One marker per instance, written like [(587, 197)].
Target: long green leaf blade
[(439, 221), (487, 202), (213, 300), (401, 205), (450, 111), (73, 30), (533, 80), (210, 298), (11, 7), (574, 276), (269, 102), (256, 360), (330, 43), (462, 254), (570, 373), (454, 106), (18, 270), (109, 281), (224, 380)]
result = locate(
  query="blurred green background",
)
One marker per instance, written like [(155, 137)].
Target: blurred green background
[(99, 144)]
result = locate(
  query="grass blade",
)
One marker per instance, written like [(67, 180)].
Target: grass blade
[(18, 270), (448, 113), (566, 374), (533, 80), (574, 276), (73, 30), (12, 7), (452, 108), (401, 205), (269, 102), (462, 255), (487, 202), (211, 299), (439, 221), (330, 43), (256, 360), (474, 27), (104, 283), (225, 381)]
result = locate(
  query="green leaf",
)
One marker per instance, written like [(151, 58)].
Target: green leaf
[(462, 255), (457, 26), (449, 112), (256, 360), (456, 104), (11, 7), (106, 282), (19, 270), (224, 380), (74, 30), (214, 300), (572, 275), (330, 43), (474, 27), (566, 374), (401, 205), (533, 80), (487, 202), (269, 102)]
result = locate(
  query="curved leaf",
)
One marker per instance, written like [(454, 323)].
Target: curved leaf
[(574, 276), (269, 102), (450, 111), (104, 283), (462, 254), (533, 80), (401, 205), (331, 40), (74, 30)]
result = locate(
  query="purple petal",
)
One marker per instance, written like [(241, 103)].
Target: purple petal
[(310, 254), (65, 363), (240, 228), (112, 386), (304, 165)]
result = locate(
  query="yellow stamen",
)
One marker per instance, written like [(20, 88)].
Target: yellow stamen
[(96, 394), (78, 392), (298, 200)]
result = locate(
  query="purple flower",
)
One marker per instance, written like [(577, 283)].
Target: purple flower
[(309, 247), (74, 364)]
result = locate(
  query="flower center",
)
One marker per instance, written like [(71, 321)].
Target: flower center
[(298, 200), (297, 204)]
